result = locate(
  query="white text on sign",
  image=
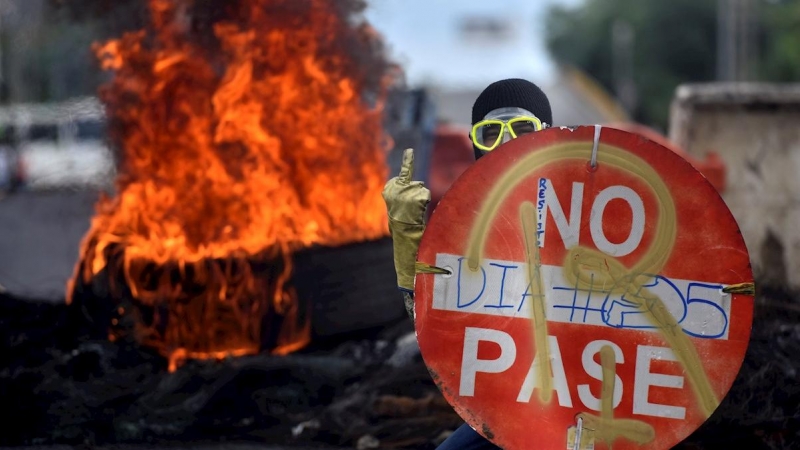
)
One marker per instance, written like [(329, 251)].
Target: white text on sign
[(569, 229), (644, 377)]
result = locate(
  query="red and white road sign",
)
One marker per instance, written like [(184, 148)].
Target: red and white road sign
[(586, 301)]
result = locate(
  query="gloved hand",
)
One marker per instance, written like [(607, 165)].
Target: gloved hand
[(406, 201)]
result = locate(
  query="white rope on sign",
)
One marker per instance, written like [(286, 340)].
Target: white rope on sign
[(578, 431), (597, 129)]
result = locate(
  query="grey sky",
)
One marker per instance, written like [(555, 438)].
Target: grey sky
[(427, 38)]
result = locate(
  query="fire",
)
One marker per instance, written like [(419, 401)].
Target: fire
[(246, 133)]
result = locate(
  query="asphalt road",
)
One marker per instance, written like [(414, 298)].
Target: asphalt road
[(40, 234)]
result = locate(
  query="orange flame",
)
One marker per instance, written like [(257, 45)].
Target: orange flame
[(239, 147)]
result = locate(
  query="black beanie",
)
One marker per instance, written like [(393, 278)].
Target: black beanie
[(513, 92)]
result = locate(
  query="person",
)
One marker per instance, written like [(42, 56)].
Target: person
[(506, 109)]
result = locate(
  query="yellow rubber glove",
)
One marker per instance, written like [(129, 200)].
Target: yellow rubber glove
[(406, 201)]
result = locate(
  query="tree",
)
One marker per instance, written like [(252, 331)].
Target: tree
[(673, 42), (780, 41)]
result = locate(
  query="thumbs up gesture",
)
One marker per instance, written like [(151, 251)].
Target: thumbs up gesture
[(406, 201)]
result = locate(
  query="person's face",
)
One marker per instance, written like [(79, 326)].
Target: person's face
[(501, 125)]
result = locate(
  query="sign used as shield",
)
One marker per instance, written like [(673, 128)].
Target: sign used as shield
[(593, 296)]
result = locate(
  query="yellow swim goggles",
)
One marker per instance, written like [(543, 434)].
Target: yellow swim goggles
[(489, 133)]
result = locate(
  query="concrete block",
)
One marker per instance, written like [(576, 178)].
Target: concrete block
[(755, 128)]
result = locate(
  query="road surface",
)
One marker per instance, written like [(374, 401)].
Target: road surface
[(40, 234)]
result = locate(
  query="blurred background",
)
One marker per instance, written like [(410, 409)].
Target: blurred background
[(716, 81), (609, 61)]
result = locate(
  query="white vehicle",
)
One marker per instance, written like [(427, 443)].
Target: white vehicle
[(61, 145)]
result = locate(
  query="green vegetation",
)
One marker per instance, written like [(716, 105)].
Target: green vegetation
[(673, 42)]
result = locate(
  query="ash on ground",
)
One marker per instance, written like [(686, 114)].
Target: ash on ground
[(63, 384)]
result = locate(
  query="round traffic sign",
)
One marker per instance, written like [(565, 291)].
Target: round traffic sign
[(588, 302)]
